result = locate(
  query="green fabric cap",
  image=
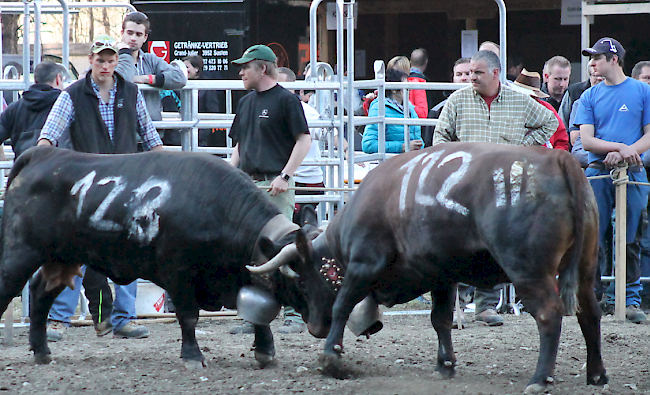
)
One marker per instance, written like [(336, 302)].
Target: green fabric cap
[(257, 52), (102, 42)]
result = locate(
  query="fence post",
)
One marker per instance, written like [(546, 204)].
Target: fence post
[(9, 325), (620, 181)]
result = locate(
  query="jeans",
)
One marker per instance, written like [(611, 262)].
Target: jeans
[(122, 312), (637, 201)]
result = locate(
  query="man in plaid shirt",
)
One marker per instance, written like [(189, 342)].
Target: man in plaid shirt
[(103, 113), (491, 112)]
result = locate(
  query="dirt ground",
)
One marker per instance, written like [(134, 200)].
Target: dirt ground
[(397, 360)]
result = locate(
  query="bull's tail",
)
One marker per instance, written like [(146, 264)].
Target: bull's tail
[(22, 161), (568, 277)]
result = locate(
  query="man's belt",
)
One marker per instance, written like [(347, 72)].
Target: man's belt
[(263, 177), (601, 166)]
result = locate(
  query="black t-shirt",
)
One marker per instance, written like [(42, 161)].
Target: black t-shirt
[(266, 127)]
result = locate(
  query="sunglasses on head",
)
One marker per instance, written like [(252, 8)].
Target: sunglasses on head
[(106, 42)]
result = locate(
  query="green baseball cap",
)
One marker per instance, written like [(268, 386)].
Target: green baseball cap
[(257, 52), (102, 42)]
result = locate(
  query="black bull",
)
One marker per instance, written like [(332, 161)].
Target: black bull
[(481, 214), (188, 222)]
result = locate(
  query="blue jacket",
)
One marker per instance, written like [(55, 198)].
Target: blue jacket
[(394, 133)]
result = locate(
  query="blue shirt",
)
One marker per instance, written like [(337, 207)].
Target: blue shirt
[(618, 112)]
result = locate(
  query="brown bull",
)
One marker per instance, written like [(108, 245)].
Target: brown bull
[(481, 214)]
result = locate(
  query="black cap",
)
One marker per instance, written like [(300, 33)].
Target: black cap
[(605, 45)]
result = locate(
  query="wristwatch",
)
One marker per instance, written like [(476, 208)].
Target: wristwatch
[(285, 176)]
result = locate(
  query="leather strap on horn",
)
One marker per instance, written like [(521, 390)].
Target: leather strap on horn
[(278, 227)]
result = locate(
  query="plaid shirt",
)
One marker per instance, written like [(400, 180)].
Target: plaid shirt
[(513, 118), (62, 115)]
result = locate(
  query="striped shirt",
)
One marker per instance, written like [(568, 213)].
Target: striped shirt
[(62, 115), (513, 118)]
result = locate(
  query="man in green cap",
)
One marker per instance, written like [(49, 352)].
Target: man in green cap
[(272, 139)]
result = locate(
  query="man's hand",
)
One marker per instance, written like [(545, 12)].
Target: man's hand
[(122, 45), (414, 145), (278, 186), (630, 156), (612, 159)]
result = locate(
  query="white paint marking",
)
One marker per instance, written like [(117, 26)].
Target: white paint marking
[(97, 219), (83, 185), (531, 182), (453, 179), (420, 196), (145, 213), (516, 175), (409, 166), (499, 187)]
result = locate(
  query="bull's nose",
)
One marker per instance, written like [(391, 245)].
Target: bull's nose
[(318, 331)]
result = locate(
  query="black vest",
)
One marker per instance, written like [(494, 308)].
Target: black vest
[(88, 131)]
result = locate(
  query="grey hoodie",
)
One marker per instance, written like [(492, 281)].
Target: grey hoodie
[(167, 77)]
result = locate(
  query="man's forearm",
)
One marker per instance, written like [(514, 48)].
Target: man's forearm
[(642, 145), (300, 150), (234, 159)]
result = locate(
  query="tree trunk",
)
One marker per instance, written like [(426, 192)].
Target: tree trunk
[(105, 21), (91, 27), (10, 26)]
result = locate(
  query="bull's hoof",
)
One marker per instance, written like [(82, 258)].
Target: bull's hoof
[(42, 359), (194, 365), (332, 366), (598, 379), (445, 371), (535, 389), (264, 359)]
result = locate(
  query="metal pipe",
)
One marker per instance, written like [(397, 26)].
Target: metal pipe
[(26, 49), (11, 6), (37, 32), (502, 39), (351, 90), (65, 51), (340, 70), (380, 75), (313, 37), (584, 41), (186, 115)]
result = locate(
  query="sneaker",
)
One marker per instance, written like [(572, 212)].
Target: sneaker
[(104, 328), (607, 308), (55, 330), (454, 324), (245, 328), (132, 331), (489, 317), (634, 314), (292, 327)]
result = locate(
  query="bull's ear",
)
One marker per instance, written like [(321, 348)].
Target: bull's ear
[(304, 246), (267, 247), (308, 216)]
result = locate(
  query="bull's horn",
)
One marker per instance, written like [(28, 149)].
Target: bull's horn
[(288, 272), (289, 251)]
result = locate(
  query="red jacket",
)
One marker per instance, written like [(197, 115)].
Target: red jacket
[(418, 97), (559, 139)]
